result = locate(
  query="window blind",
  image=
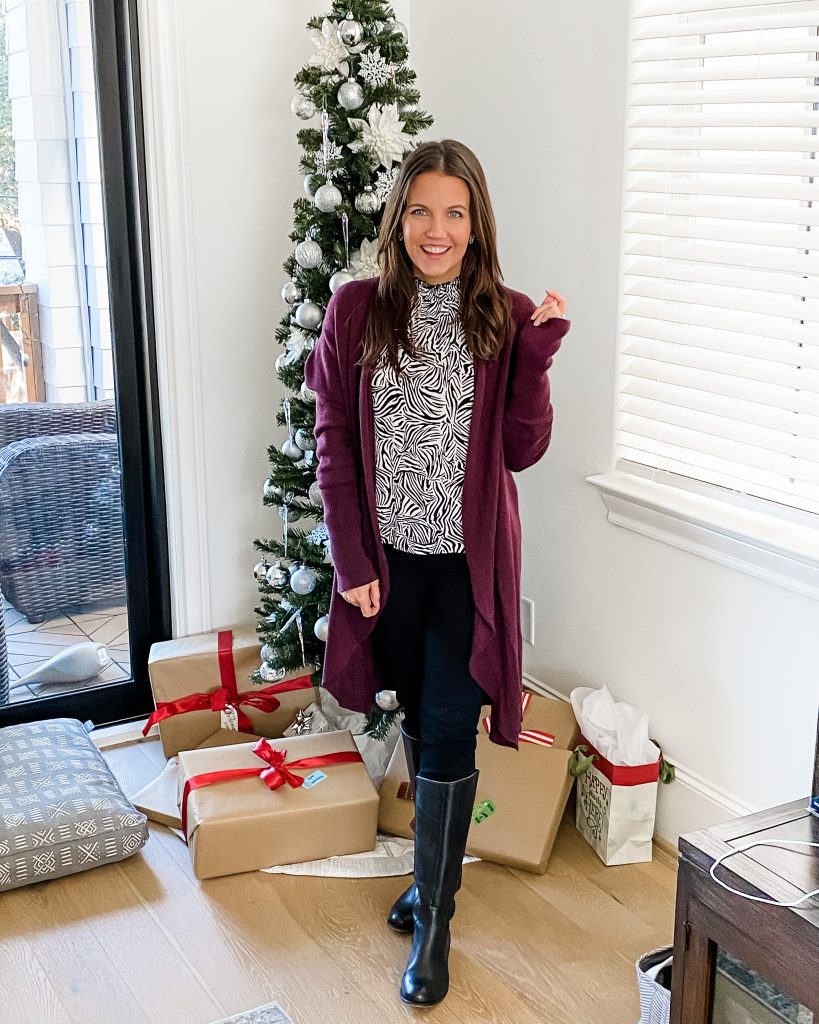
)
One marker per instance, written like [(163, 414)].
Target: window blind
[(718, 362)]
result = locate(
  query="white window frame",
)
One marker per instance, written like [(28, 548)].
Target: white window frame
[(767, 540)]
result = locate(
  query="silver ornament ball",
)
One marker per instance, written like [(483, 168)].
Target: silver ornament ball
[(400, 29), (291, 293), (270, 674), (367, 201), (277, 576), (268, 652), (281, 361), (309, 254), (339, 278), (291, 450), (387, 700), (260, 570), (314, 494), (303, 107), (327, 198), (350, 32), (307, 394), (271, 490), (289, 512), (309, 315), (350, 94), (321, 628), (305, 440), (304, 581)]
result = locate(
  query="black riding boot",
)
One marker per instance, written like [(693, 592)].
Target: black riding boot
[(400, 917), (443, 811)]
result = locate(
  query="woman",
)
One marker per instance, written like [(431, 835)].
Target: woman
[(432, 389)]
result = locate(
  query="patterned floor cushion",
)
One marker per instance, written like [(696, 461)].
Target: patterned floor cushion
[(61, 809)]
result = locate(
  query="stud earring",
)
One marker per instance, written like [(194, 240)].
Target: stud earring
[(471, 239)]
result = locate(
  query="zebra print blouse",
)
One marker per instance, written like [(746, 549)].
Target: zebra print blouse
[(422, 419)]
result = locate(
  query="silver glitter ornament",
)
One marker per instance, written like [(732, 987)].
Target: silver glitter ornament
[(291, 293), (271, 490), (400, 29), (309, 315), (327, 198), (309, 254), (303, 107), (281, 361), (260, 570), (294, 568), (367, 201), (309, 457), (307, 394), (270, 674), (267, 652), (350, 94), (314, 494), (290, 513), (387, 700), (303, 581), (305, 440), (277, 576), (321, 628), (350, 32), (339, 278), (291, 450)]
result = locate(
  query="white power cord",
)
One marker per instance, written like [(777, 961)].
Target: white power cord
[(762, 899)]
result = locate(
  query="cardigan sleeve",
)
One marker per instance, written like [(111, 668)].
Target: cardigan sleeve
[(339, 470), (527, 417)]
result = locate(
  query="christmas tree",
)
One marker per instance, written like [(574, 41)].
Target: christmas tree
[(358, 89)]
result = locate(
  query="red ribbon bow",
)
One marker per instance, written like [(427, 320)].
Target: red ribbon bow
[(228, 694), (536, 736), (278, 772)]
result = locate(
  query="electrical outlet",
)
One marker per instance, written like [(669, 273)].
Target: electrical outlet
[(527, 620)]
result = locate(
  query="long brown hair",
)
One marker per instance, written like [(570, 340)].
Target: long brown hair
[(485, 307)]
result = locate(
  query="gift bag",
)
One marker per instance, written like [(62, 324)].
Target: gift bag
[(654, 981), (618, 770)]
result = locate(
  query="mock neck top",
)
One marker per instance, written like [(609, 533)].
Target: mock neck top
[(422, 420)]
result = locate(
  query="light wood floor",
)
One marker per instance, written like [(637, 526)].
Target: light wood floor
[(143, 941)]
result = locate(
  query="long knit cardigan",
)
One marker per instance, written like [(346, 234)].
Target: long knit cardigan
[(510, 430)]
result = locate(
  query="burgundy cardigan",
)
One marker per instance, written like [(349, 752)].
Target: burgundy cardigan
[(510, 430)]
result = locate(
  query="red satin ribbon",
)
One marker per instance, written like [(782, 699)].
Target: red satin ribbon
[(276, 774), (536, 736), (228, 694)]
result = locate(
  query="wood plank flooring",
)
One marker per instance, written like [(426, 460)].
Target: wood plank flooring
[(143, 941)]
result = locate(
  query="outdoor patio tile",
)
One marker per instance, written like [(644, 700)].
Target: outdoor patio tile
[(48, 642), (112, 629)]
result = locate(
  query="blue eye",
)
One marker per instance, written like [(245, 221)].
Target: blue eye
[(457, 213)]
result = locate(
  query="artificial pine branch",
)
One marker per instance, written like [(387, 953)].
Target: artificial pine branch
[(379, 723)]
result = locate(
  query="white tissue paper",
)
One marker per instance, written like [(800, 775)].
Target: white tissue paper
[(618, 730)]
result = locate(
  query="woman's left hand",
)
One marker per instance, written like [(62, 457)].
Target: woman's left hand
[(553, 305)]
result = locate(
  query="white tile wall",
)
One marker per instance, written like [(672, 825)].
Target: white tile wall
[(45, 204), (67, 365), (38, 117), (85, 115), (43, 162), (49, 245), (100, 321), (35, 73), (57, 286), (62, 325)]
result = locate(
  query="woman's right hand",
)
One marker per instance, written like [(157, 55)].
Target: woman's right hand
[(367, 598)]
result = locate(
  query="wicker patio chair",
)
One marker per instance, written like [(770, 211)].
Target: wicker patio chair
[(61, 541), (4, 658)]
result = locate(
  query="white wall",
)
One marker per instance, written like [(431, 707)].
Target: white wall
[(726, 665)]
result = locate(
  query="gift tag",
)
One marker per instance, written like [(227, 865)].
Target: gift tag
[(230, 718), (314, 779)]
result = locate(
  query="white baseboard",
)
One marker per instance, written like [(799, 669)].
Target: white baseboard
[(688, 803)]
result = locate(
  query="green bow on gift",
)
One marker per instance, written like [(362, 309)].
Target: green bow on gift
[(580, 761)]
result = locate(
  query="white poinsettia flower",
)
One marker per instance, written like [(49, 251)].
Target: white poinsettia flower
[(364, 261), (331, 54), (383, 133)]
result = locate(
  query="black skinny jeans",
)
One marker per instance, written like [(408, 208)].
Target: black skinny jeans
[(423, 640)]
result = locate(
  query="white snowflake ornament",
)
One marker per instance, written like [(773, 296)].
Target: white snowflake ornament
[(364, 261), (331, 54), (383, 134), (384, 182), (374, 69)]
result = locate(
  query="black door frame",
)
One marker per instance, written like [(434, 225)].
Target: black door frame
[(122, 158)]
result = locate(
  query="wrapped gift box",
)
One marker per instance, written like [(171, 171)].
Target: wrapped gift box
[(241, 824), (211, 672), (522, 793)]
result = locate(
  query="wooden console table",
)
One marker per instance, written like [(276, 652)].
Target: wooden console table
[(780, 944)]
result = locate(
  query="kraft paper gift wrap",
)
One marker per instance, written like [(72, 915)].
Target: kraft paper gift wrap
[(242, 825), (522, 793), (209, 664)]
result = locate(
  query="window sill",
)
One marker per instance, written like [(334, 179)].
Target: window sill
[(779, 552)]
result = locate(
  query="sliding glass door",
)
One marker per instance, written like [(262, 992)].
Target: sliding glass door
[(83, 554)]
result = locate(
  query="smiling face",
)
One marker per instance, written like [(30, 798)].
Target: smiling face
[(436, 225)]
